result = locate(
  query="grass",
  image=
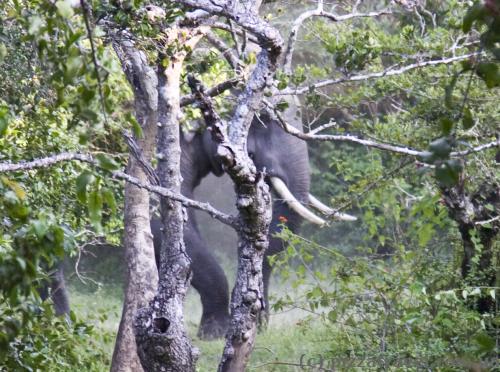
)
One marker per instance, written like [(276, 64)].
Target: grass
[(278, 348)]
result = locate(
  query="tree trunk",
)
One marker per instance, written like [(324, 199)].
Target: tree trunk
[(162, 342), (142, 275), (479, 264)]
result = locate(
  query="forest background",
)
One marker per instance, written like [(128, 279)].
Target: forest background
[(387, 291)]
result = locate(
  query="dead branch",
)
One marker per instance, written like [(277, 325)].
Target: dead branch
[(214, 91), (311, 136)]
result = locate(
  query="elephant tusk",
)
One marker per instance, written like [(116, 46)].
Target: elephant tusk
[(329, 211), (293, 203)]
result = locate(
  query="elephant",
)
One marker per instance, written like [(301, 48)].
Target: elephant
[(284, 159)]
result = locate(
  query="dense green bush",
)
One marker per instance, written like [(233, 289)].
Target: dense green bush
[(407, 311)]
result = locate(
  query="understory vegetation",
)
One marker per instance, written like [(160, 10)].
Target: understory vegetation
[(412, 285)]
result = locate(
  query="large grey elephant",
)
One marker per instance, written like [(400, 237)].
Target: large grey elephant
[(284, 158)]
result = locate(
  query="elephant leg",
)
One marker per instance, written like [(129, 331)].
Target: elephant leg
[(58, 291), (211, 283)]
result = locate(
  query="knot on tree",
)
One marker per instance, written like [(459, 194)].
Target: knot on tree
[(260, 244), (250, 297), (225, 155), (160, 325)]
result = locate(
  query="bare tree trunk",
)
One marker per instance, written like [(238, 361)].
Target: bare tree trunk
[(478, 237), (253, 197), (142, 276), (162, 342)]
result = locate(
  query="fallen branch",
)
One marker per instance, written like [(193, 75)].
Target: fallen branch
[(87, 158)]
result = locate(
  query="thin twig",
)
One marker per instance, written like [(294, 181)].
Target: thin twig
[(212, 92), (86, 18)]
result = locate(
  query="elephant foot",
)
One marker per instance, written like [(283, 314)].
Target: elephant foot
[(212, 327)]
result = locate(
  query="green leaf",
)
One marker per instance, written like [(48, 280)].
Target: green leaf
[(14, 186), (447, 173), (72, 66), (3, 52), (64, 9), (474, 13), (332, 316), (493, 294), (106, 162), (468, 120), (4, 119), (21, 263), (136, 128), (94, 205), (82, 181), (282, 105), (441, 147), (488, 71), (485, 341), (40, 228), (446, 125), (109, 199)]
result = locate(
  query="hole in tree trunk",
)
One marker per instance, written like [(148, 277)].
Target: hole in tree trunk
[(161, 325)]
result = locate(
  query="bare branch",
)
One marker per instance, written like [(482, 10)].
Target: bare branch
[(136, 152), (369, 143), (374, 75), (86, 17), (235, 39), (486, 222), (214, 91), (226, 51), (87, 158), (479, 148), (319, 12)]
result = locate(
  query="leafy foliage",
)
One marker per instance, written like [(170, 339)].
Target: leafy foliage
[(386, 289), (404, 311)]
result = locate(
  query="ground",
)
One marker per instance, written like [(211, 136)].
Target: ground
[(283, 346)]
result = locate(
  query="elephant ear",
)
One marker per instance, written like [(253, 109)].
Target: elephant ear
[(190, 130), (188, 135), (210, 149)]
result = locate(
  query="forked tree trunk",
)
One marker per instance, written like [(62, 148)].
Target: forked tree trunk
[(142, 277)]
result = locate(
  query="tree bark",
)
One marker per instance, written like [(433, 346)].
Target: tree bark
[(142, 275), (253, 197), (162, 342), (478, 238)]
